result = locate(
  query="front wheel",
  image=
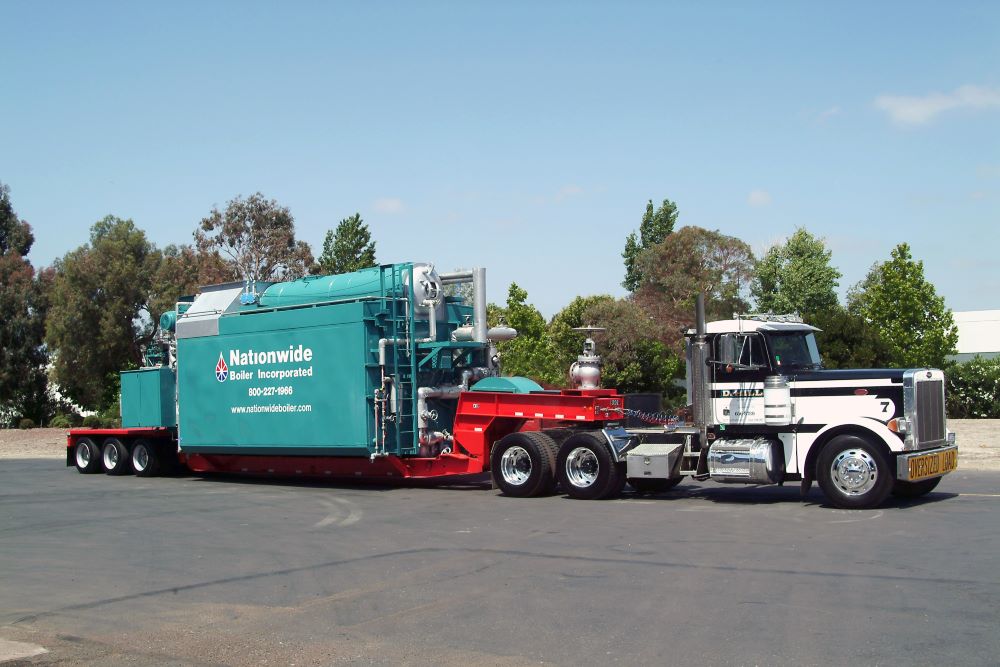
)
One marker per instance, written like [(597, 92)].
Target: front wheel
[(854, 473), (586, 468), (915, 489), (522, 463)]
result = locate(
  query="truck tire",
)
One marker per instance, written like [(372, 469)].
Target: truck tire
[(522, 464), (903, 489), (649, 486), (854, 473), (586, 469), (87, 456), (145, 459), (115, 457)]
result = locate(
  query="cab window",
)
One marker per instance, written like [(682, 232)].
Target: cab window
[(751, 353)]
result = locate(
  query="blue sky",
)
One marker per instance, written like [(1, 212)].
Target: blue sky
[(524, 137)]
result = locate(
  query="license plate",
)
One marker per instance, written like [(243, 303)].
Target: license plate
[(932, 465)]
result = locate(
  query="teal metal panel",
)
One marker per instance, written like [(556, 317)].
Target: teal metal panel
[(317, 289), (298, 372), (286, 381), (510, 385), (148, 398)]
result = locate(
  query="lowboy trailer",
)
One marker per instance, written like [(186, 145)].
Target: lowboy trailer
[(378, 374)]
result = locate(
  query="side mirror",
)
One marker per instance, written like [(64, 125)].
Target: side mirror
[(728, 349)]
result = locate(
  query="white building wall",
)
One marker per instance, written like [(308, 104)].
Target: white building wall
[(978, 333)]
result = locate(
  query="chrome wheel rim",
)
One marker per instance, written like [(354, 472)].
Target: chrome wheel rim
[(140, 458), (515, 465), (82, 455), (110, 457), (854, 471), (582, 467)]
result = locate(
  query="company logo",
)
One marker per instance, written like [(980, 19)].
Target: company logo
[(221, 369)]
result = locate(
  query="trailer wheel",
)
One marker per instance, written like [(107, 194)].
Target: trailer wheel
[(854, 473), (903, 489), (587, 470), (522, 463), (648, 486), (145, 459), (114, 457), (87, 456)]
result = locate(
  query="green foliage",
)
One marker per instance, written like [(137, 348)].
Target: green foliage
[(847, 341), (26, 423), (93, 421), (974, 389), (796, 277), (897, 301), (635, 360), (656, 225), (568, 343), (256, 237), (62, 421), (347, 249), (23, 305), (689, 261), (532, 354), (15, 234), (99, 311), (181, 271)]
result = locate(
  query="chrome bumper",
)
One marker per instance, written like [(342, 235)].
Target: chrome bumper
[(929, 463)]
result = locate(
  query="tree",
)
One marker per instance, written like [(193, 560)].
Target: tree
[(796, 277), (656, 225), (99, 311), (897, 301), (532, 353), (568, 344), (349, 248), (257, 237), (689, 261), (181, 272), (634, 357), (22, 322), (846, 341)]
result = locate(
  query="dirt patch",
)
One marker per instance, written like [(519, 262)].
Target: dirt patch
[(978, 443), (36, 443)]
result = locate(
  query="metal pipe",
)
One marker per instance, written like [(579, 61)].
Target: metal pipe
[(455, 277), (478, 278), (479, 305), (382, 343), (432, 325), (426, 436), (699, 309)]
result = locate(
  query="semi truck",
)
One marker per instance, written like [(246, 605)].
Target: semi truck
[(381, 374)]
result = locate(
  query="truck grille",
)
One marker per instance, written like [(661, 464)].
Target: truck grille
[(930, 417)]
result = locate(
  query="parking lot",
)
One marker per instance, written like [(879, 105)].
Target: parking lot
[(189, 570)]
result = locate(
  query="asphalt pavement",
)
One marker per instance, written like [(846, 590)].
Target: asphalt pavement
[(207, 571)]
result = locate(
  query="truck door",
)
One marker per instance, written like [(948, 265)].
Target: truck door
[(738, 390)]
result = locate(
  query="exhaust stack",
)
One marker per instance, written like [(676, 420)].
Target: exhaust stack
[(701, 372)]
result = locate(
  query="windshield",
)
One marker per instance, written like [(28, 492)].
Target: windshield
[(795, 349)]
